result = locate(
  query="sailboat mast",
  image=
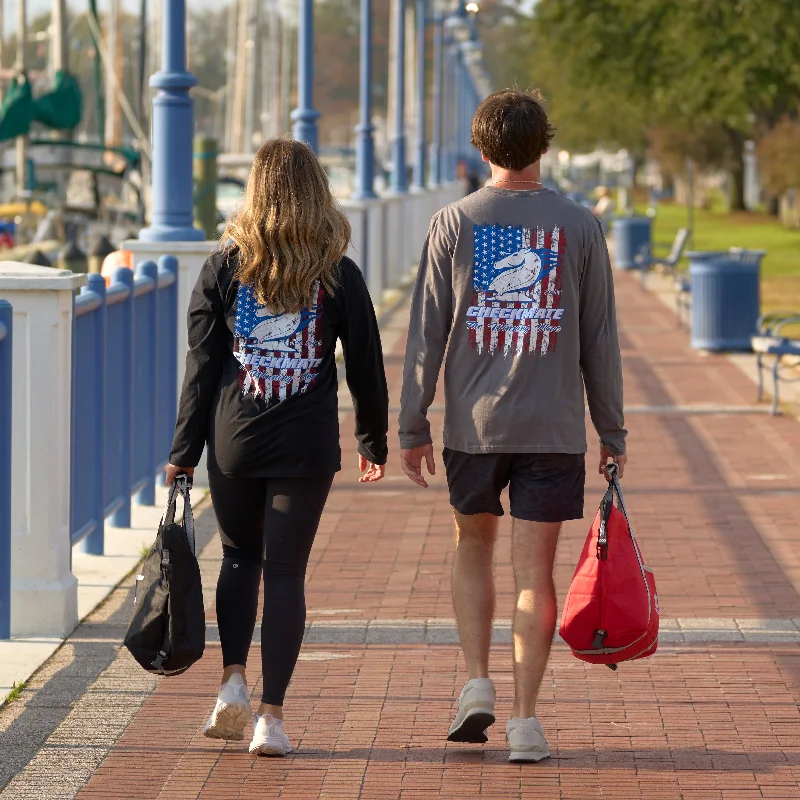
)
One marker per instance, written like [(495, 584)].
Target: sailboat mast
[(22, 36), (58, 53)]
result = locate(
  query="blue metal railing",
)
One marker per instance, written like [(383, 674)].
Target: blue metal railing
[(6, 326), (124, 394)]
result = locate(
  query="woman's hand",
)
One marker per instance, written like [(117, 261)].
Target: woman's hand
[(372, 472), (171, 471)]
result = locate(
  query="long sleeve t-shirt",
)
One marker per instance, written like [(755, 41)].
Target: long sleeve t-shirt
[(515, 294), (261, 388)]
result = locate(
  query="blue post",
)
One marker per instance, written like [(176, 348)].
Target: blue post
[(451, 136), (436, 144), (365, 143), (173, 133), (167, 359), (93, 428), (6, 326), (399, 184), (146, 387), (419, 161), (119, 369), (304, 116)]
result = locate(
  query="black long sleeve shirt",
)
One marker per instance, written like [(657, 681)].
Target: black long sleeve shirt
[(261, 389)]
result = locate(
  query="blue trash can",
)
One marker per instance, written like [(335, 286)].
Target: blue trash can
[(726, 300), (631, 237)]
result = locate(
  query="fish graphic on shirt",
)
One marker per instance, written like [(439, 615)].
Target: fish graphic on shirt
[(279, 354), (516, 289)]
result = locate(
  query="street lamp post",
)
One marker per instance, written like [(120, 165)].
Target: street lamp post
[(419, 161), (304, 116), (436, 144), (365, 144), (173, 132), (399, 184)]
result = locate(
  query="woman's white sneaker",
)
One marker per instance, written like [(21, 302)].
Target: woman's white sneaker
[(475, 712), (526, 740), (269, 738), (231, 713)]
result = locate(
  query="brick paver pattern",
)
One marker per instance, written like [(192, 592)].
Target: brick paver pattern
[(714, 491)]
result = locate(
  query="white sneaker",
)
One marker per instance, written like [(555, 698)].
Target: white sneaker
[(475, 712), (232, 712), (526, 739), (269, 738)]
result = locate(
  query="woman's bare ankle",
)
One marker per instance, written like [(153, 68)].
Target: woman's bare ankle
[(233, 669), (273, 711)]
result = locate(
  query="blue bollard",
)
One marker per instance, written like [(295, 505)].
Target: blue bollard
[(119, 406), (305, 116), (726, 301), (419, 160), (399, 183), (87, 485), (365, 143), (145, 385), (436, 144), (167, 360), (173, 136), (631, 237)]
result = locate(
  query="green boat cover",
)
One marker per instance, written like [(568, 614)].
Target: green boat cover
[(17, 109), (62, 106)]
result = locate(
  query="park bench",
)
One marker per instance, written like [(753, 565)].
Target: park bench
[(769, 341), (646, 261)]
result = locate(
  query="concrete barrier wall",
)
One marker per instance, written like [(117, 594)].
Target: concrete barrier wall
[(388, 234)]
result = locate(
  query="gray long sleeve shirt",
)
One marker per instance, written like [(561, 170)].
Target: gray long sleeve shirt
[(515, 294)]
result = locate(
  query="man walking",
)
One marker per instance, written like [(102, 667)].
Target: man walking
[(515, 287)]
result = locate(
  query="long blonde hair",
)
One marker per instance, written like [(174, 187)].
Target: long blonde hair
[(289, 231)]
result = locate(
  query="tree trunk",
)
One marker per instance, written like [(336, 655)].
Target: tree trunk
[(773, 205), (736, 171)]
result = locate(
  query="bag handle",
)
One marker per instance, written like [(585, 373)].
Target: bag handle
[(615, 488), (612, 471), (180, 486)]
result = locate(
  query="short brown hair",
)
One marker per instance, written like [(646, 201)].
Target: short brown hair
[(511, 128)]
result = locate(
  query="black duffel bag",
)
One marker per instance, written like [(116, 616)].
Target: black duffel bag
[(168, 630)]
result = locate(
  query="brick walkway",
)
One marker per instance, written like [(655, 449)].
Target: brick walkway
[(714, 491)]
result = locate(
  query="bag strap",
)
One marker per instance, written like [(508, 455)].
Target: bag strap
[(180, 486), (612, 470)]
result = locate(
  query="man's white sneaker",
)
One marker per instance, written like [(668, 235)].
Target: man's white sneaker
[(526, 739), (269, 738), (231, 713), (475, 712)]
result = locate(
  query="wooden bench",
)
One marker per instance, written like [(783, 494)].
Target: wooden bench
[(770, 342)]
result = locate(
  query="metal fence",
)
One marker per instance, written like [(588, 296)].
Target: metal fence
[(6, 325), (123, 394)]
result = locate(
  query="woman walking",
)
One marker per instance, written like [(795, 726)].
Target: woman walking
[(261, 390)]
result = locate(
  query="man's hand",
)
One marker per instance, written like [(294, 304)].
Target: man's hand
[(172, 471), (620, 461), (411, 462), (372, 472)]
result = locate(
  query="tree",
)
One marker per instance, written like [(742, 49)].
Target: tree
[(732, 66)]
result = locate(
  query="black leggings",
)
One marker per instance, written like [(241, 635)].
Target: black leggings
[(269, 524)]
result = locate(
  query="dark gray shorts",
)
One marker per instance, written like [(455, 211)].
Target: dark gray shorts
[(543, 487)]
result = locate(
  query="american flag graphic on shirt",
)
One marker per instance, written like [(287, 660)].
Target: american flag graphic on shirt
[(279, 354), (516, 289)]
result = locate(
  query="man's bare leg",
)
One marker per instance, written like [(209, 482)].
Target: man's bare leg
[(533, 551), (473, 588)]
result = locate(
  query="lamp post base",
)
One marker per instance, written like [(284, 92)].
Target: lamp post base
[(171, 233)]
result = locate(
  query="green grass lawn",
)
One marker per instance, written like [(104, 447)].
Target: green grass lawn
[(780, 269)]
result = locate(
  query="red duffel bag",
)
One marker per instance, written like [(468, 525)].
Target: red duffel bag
[(611, 611)]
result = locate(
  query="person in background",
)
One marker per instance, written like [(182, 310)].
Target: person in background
[(261, 391), (515, 294), (604, 206)]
